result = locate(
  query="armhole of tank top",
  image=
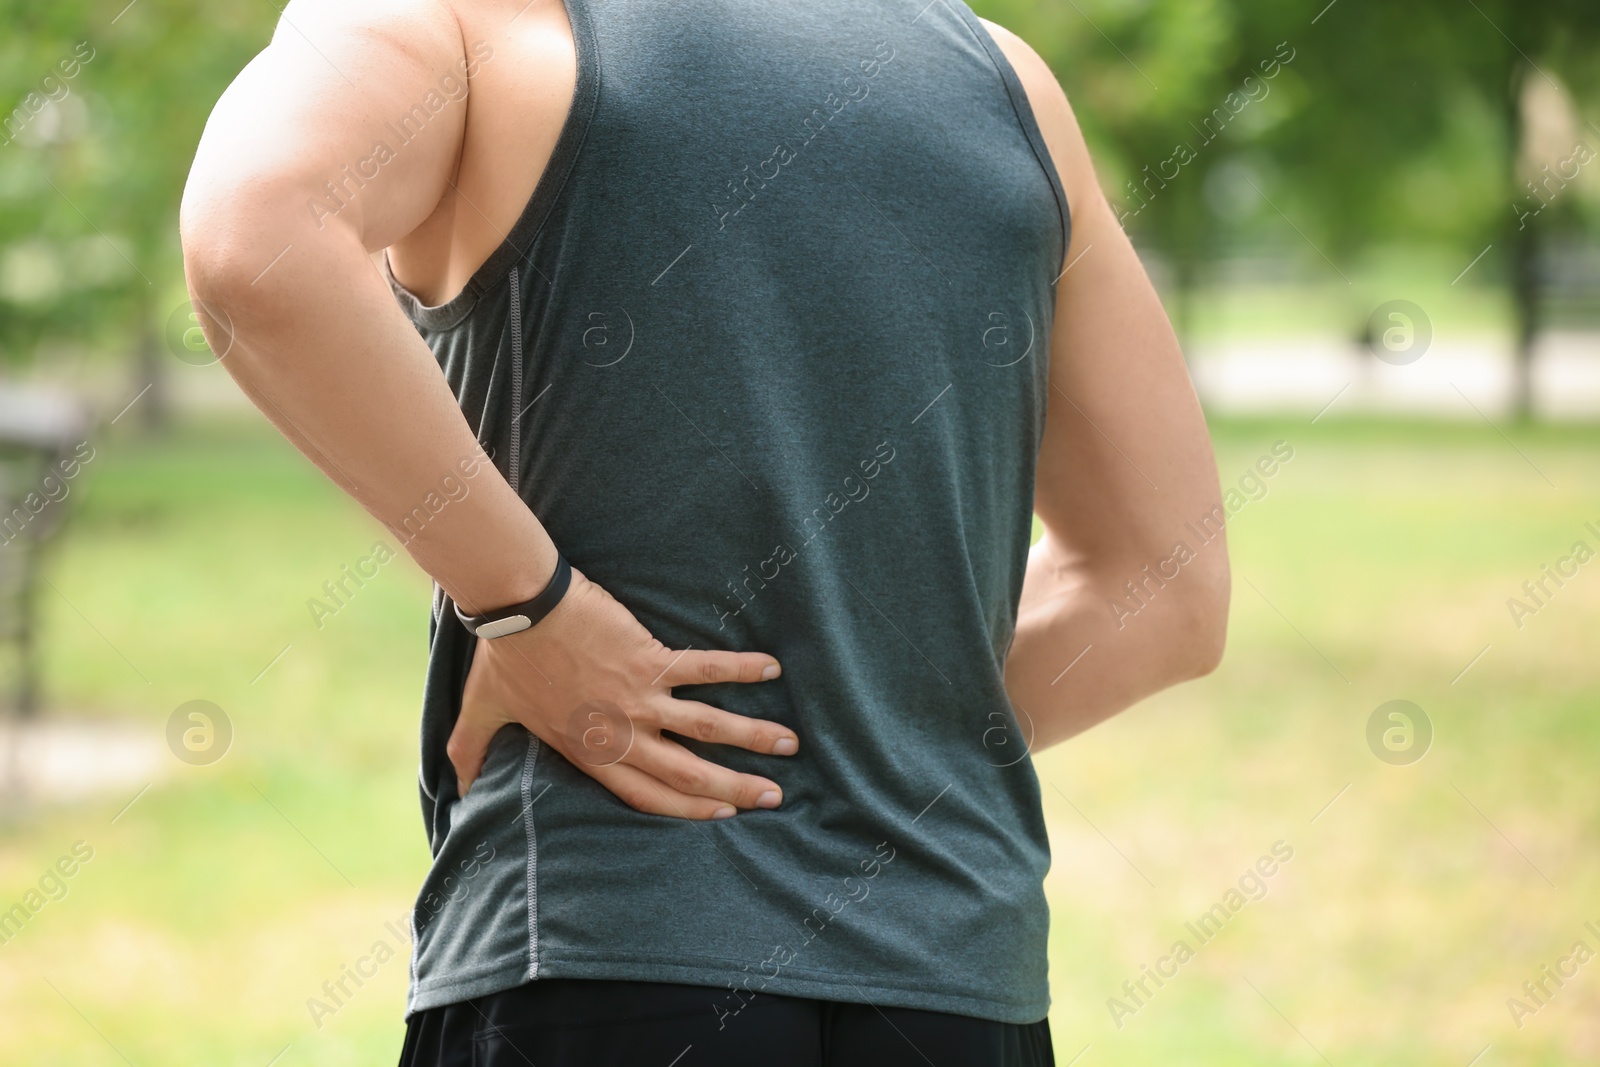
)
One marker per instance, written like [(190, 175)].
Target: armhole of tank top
[(1025, 118), (496, 269)]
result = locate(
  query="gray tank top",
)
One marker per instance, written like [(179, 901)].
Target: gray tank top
[(767, 353)]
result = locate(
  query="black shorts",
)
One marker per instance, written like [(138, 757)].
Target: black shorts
[(572, 1022)]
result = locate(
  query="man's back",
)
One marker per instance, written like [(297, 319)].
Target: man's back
[(767, 355), (770, 322)]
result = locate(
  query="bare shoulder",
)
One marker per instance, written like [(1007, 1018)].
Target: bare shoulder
[(327, 65), (1030, 66), (417, 27), (1054, 114)]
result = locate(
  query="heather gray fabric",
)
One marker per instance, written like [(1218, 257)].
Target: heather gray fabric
[(767, 355)]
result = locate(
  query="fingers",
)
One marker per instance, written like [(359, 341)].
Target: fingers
[(657, 775), (699, 667), (684, 772), (644, 792), (706, 723), (469, 741)]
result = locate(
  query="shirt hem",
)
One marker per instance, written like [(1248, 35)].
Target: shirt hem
[(874, 989)]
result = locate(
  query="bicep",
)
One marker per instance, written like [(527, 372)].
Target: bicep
[(352, 117)]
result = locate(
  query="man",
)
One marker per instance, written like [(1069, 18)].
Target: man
[(716, 358)]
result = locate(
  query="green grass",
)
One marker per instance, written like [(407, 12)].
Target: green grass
[(1377, 566)]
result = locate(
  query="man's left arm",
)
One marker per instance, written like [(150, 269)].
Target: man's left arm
[(1125, 466)]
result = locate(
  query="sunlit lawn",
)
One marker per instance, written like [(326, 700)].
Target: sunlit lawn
[(1376, 567)]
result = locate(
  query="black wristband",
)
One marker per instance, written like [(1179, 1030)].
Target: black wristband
[(519, 617)]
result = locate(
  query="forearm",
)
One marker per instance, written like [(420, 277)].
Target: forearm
[(320, 345), (1086, 649)]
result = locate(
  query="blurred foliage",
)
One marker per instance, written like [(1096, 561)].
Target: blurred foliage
[(1390, 125), (102, 111), (1218, 126), (1390, 122)]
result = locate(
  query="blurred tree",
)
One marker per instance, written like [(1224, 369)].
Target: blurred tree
[(1523, 57), (1143, 78), (1358, 125), (103, 110), (1438, 105), (1215, 123)]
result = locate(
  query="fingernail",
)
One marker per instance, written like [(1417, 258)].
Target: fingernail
[(723, 812), (786, 746), (771, 671), (769, 799)]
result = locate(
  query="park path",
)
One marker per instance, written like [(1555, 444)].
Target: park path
[(1463, 376)]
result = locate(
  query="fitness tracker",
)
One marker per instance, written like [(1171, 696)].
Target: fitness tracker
[(519, 617)]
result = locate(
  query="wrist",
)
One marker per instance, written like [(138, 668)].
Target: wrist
[(482, 578), (518, 615)]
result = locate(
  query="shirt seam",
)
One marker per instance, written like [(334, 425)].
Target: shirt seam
[(1022, 108), (533, 855)]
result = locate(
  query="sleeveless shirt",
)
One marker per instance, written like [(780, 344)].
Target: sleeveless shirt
[(766, 353)]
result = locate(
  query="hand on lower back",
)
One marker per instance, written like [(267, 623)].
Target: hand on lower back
[(592, 683)]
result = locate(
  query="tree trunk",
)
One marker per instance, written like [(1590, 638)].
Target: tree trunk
[(1524, 242), (1525, 284), (1188, 225), (150, 369)]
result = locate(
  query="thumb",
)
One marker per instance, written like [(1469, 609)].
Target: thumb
[(469, 741)]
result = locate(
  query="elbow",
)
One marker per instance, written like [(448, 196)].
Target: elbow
[(241, 296), (214, 271), (221, 247), (1206, 619), (233, 230), (1210, 641)]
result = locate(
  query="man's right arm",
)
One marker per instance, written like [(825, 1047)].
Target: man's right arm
[(314, 336), (311, 332)]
